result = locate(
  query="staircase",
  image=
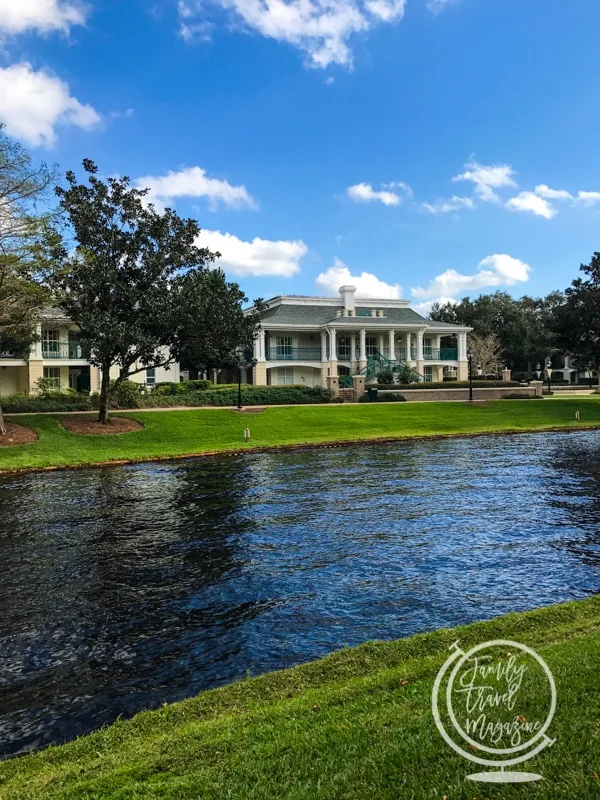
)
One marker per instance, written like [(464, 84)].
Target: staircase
[(379, 363)]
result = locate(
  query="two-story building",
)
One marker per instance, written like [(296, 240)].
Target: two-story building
[(57, 356), (305, 340)]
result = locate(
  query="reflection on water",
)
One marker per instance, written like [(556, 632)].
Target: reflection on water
[(123, 588)]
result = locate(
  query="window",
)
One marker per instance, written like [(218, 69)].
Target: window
[(150, 376), (371, 343), (428, 374), (427, 351), (284, 347), (50, 342), (285, 376), (52, 375), (344, 348)]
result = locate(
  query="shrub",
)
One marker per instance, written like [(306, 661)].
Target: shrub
[(128, 395), (53, 401), (455, 385), (516, 396), (171, 387), (251, 396), (385, 378), (391, 397)]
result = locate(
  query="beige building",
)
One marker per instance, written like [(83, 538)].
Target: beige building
[(305, 340), (57, 356)]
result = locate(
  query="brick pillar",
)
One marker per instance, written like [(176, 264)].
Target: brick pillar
[(506, 373), (358, 384), (259, 374), (36, 370), (333, 384)]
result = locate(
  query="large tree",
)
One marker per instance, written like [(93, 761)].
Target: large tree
[(123, 278), (577, 320), (24, 215), (523, 327), (226, 332)]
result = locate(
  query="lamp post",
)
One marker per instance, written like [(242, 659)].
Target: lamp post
[(589, 374), (239, 405), (549, 374), (470, 357), (538, 370)]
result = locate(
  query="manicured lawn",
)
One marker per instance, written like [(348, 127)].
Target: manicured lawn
[(172, 433), (354, 725)]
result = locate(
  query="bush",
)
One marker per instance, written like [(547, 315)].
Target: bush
[(385, 378), (388, 397), (183, 387), (516, 396), (128, 395), (444, 385), (251, 396), (53, 401)]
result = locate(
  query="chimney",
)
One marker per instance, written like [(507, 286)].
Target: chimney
[(347, 295)]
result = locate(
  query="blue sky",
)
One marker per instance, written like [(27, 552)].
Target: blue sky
[(418, 148)]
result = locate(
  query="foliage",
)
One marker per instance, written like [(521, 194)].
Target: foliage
[(578, 320), (127, 394), (183, 387), (213, 329), (517, 396), (524, 328), (251, 396), (387, 397), (52, 401), (120, 281), (481, 384), (406, 375), (385, 378), (487, 353)]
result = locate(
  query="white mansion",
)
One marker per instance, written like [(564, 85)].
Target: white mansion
[(305, 340)]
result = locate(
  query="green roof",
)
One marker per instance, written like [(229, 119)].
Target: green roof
[(289, 314)]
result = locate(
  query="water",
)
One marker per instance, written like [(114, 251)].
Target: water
[(122, 588)]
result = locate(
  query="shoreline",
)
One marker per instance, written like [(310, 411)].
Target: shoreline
[(322, 445)]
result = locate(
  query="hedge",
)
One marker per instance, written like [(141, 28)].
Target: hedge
[(56, 401), (251, 396), (453, 385)]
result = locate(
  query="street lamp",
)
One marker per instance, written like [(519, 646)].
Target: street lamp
[(549, 374), (479, 370), (538, 370), (239, 405), (470, 357), (589, 373)]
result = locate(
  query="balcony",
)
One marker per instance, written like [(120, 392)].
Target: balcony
[(70, 351), (293, 353), (440, 354)]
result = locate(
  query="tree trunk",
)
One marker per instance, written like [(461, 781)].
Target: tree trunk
[(2, 425), (104, 384)]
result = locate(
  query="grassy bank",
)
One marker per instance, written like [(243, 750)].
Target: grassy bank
[(354, 725), (175, 433)]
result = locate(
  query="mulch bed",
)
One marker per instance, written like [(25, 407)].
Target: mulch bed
[(91, 426), (17, 434)]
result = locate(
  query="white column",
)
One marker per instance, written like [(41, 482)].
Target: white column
[(392, 334), (332, 345), (323, 346), (36, 350), (363, 345), (381, 343), (419, 345), (256, 348), (461, 338), (262, 353), (408, 346)]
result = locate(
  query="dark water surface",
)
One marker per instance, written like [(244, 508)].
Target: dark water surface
[(123, 588)]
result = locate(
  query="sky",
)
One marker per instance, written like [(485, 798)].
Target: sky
[(423, 149)]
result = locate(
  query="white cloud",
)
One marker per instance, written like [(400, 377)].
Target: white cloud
[(487, 178), (18, 16), (455, 203), (320, 28), (552, 194), (437, 6), (588, 198), (528, 201), (364, 193), (496, 270), (33, 104), (258, 257), (425, 307), (367, 284), (190, 28), (193, 182)]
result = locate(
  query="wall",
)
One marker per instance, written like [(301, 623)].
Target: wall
[(461, 394), (307, 376), (9, 380)]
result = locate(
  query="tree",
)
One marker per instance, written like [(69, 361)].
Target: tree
[(226, 332), (119, 280), (487, 352), (23, 189), (577, 320)]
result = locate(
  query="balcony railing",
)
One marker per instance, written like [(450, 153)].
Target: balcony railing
[(440, 354), (66, 350), (293, 353)]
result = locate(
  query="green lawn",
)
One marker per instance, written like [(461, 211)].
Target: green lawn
[(172, 433), (354, 725)]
